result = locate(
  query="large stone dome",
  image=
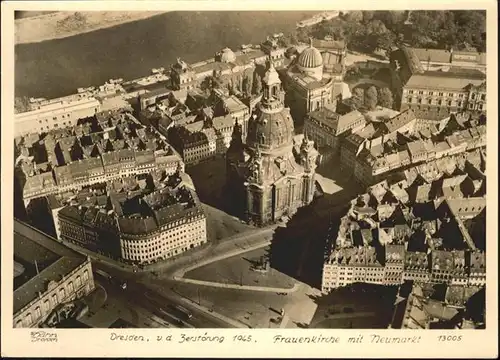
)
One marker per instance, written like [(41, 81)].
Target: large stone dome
[(269, 130), (310, 58)]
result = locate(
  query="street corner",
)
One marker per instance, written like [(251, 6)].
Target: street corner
[(96, 299)]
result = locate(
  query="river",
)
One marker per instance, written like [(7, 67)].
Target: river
[(58, 67)]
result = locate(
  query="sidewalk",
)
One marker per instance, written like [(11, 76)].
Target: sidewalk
[(238, 287), (226, 319)]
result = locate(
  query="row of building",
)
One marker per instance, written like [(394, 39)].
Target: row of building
[(409, 229), (197, 131), (372, 149), (311, 75), (138, 219), (360, 265), (103, 147), (311, 79)]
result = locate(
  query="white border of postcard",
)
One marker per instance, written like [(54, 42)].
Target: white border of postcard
[(97, 342)]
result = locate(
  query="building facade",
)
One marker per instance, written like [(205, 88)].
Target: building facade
[(326, 128), (352, 265), (64, 281), (405, 141), (229, 67), (308, 89), (55, 114), (139, 227), (449, 90), (439, 59)]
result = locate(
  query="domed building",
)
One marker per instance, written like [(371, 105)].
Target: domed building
[(269, 177), (310, 62), (227, 55), (310, 82)]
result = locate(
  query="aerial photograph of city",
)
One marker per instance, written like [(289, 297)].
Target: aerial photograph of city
[(250, 169)]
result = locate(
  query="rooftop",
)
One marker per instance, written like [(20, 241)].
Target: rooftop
[(400, 120), (447, 56), (39, 284), (446, 80), (328, 44), (233, 104), (307, 81), (132, 208)]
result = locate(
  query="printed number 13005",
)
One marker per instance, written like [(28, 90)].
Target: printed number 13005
[(450, 338)]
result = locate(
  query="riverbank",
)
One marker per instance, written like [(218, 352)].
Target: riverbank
[(57, 67), (64, 24)]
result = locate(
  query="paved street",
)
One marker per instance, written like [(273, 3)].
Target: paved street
[(253, 308), (162, 288), (115, 307)]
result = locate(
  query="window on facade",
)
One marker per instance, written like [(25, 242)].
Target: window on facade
[(28, 319), (78, 281), (38, 312), (46, 306), (55, 300)]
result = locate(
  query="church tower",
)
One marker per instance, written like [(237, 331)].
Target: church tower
[(272, 89), (274, 182)]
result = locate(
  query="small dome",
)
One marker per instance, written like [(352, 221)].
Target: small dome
[(271, 77), (310, 58), (227, 55)]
